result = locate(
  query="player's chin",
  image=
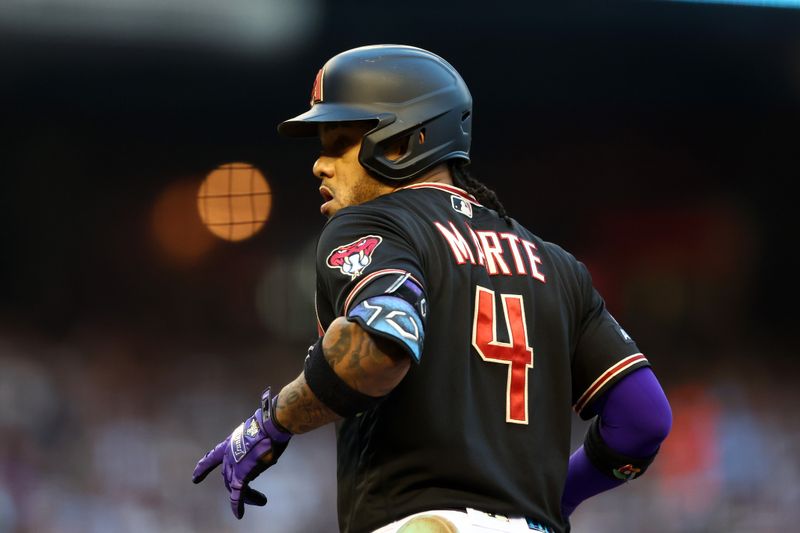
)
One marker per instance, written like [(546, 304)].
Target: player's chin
[(329, 208)]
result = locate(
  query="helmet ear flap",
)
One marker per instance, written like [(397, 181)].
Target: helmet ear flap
[(386, 151), (429, 143), (395, 149)]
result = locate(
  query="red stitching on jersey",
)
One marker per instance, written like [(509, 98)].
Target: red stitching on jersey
[(452, 189), (361, 284), (605, 377)]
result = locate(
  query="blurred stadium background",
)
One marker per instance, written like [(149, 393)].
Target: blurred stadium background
[(656, 140)]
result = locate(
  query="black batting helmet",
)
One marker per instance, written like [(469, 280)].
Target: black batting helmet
[(405, 90)]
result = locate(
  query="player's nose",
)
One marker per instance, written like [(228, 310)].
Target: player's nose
[(323, 167)]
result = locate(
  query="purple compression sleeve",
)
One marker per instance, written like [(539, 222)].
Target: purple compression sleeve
[(635, 418)]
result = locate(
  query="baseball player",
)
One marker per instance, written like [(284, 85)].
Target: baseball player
[(453, 341)]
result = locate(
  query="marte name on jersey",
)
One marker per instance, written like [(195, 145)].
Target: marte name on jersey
[(486, 248)]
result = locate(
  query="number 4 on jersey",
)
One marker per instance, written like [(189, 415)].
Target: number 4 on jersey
[(517, 353)]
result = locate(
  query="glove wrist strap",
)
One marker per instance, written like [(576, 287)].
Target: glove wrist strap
[(273, 428)]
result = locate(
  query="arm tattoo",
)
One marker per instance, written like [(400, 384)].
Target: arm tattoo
[(299, 410), (368, 364)]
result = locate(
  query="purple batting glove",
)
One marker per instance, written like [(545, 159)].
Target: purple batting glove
[(253, 447)]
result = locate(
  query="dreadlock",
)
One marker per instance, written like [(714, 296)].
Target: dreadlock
[(486, 196)]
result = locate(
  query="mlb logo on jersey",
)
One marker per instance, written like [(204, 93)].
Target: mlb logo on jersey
[(461, 205)]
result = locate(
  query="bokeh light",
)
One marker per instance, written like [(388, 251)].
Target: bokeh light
[(176, 227), (234, 201)]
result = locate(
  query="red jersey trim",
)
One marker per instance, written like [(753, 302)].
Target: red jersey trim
[(452, 189), (605, 377), (364, 282)]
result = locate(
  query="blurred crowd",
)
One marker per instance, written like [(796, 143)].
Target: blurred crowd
[(100, 432)]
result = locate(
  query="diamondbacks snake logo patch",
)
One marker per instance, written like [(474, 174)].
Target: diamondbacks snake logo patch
[(351, 259)]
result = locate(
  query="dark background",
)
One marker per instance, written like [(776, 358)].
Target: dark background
[(658, 141)]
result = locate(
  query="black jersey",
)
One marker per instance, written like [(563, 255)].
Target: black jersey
[(515, 336)]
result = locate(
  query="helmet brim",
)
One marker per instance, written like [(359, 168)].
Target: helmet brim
[(307, 124)]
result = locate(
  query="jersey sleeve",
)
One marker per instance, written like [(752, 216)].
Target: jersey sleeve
[(604, 352), (361, 254)]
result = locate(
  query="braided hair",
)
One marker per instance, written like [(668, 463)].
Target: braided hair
[(485, 196)]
